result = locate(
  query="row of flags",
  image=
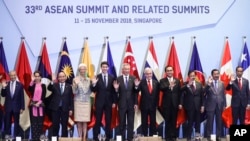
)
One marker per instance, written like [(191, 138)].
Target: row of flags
[(64, 64)]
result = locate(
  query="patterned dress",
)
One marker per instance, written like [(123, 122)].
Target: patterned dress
[(82, 100)]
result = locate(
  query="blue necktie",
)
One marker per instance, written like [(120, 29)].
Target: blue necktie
[(126, 82), (12, 88), (105, 81), (215, 85), (61, 88)]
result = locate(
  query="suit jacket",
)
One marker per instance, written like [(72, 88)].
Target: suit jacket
[(149, 100), (240, 97), (104, 94), (215, 97), (170, 95), (66, 97), (15, 103), (192, 100), (32, 89), (126, 97)]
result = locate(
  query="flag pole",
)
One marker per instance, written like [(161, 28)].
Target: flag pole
[(244, 38), (172, 39), (128, 39)]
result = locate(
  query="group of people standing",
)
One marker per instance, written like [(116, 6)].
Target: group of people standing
[(74, 99)]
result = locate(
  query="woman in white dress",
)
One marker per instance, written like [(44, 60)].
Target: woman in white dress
[(81, 90)]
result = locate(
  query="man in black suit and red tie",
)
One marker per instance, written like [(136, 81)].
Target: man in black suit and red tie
[(61, 104), (192, 100), (149, 102), (14, 103), (102, 85), (126, 88), (240, 96), (171, 89)]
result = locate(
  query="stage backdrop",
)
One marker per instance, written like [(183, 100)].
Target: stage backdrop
[(210, 21)]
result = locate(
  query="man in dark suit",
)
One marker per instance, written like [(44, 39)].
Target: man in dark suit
[(171, 89), (14, 103), (102, 85), (61, 104), (240, 97), (126, 87), (149, 102), (215, 103), (192, 100)]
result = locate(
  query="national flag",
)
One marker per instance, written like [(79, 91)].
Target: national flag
[(86, 59), (195, 64), (4, 71), (129, 58), (226, 71), (46, 74), (245, 64), (24, 73), (152, 61), (112, 69), (174, 62), (65, 64), (66, 67), (107, 56), (44, 65)]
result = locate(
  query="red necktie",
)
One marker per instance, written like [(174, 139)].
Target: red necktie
[(239, 83), (149, 87), (192, 87)]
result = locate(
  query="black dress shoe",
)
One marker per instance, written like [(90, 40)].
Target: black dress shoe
[(209, 139), (218, 139)]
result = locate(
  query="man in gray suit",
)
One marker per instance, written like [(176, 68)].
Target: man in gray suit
[(240, 97), (215, 103)]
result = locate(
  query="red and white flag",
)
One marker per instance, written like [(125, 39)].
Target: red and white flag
[(129, 58), (226, 71), (24, 73)]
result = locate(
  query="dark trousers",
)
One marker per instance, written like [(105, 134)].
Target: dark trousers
[(60, 117), (170, 117), (107, 110), (129, 114), (8, 122), (210, 121), (1, 123), (239, 113), (193, 117), (144, 119)]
